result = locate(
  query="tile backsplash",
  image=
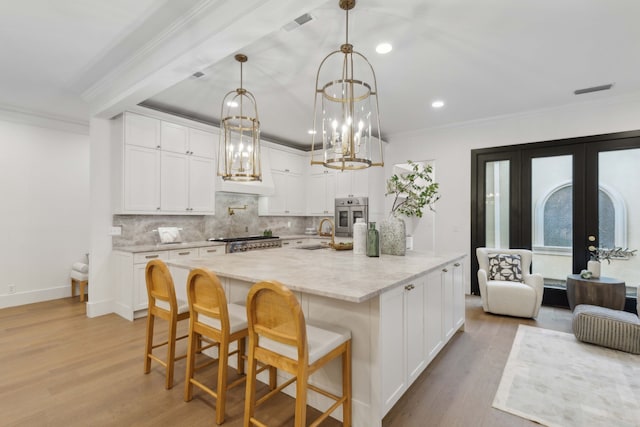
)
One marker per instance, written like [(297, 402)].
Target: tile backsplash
[(139, 229)]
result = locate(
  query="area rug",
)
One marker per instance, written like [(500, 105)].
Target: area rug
[(555, 380)]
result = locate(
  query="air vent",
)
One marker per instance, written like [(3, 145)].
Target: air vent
[(298, 22), (593, 89)]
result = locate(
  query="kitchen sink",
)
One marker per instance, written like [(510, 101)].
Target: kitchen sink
[(313, 247)]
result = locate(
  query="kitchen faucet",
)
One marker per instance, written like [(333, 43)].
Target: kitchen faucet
[(333, 231)]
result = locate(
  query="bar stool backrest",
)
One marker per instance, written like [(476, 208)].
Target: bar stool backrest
[(275, 313), (206, 296), (160, 284)]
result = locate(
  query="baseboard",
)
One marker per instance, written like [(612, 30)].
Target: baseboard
[(30, 297), (99, 308)]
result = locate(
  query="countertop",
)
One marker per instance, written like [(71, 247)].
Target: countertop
[(203, 244), (325, 272)]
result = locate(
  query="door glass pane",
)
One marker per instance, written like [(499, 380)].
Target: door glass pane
[(496, 200), (552, 218), (619, 213)]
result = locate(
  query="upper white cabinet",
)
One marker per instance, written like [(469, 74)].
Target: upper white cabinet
[(162, 167), (321, 191), (142, 177), (142, 131), (288, 182), (352, 183)]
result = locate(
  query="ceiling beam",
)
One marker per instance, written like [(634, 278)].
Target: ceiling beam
[(200, 37)]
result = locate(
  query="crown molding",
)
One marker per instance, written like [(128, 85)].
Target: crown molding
[(10, 113)]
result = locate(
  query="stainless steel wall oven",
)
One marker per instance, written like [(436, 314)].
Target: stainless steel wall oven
[(347, 210)]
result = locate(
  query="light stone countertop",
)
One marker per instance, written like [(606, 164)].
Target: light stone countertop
[(204, 244), (325, 272), (167, 246)]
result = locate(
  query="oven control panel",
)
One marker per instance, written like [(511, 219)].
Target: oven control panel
[(252, 245)]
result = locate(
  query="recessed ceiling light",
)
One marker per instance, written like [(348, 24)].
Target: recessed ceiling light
[(437, 104), (232, 104), (383, 48), (311, 132)]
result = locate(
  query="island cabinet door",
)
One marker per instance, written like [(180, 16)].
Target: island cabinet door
[(458, 295), (447, 302), (433, 314), (393, 351), (403, 339)]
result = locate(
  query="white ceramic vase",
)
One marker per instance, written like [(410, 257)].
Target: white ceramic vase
[(594, 268), (393, 236), (360, 237)]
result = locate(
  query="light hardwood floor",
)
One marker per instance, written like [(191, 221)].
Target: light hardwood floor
[(60, 368)]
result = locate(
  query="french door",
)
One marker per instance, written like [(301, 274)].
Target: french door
[(559, 199)]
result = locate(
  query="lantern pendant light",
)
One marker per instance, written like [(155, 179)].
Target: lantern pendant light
[(346, 117), (239, 151)]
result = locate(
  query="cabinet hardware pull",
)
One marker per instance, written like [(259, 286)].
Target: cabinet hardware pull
[(184, 253), (212, 250), (409, 287), (158, 147), (457, 264), (444, 270), (151, 256), (158, 208)]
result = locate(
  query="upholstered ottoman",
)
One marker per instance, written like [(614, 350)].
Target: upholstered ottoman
[(606, 327)]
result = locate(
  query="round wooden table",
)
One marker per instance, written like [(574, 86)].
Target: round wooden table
[(603, 291)]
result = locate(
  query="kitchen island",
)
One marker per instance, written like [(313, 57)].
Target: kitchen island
[(401, 311)]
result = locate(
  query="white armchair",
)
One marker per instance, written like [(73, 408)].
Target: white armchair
[(506, 285)]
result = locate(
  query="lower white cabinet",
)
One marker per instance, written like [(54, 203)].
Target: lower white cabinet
[(131, 299), (416, 321)]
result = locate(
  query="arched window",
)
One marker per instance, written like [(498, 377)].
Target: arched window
[(554, 219)]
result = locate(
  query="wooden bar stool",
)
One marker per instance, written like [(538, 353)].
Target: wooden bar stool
[(211, 318), (279, 336), (163, 304)]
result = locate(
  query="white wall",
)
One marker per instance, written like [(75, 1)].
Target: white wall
[(451, 146), (44, 209)]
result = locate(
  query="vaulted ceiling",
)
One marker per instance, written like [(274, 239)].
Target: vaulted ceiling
[(72, 59)]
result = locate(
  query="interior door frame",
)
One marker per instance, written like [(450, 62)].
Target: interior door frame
[(585, 194)]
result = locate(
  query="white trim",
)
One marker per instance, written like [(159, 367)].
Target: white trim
[(15, 114), (100, 308), (39, 295)]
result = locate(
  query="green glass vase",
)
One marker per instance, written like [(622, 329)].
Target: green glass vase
[(373, 241)]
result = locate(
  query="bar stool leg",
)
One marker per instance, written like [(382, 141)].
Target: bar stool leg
[(83, 289), (346, 385), (241, 350), (171, 352), (191, 360), (149, 343), (223, 359), (73, 288), (250, 396), (301, 396)]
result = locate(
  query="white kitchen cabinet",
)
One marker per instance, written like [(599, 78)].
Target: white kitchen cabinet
[(416, 321), (352, 183), (210, 251), (202, 143), (321, 191), (187, 184), (141, 191), (131, 287), (402, 322), (434, 338), (141, 130), (160, 167), (174, 138), (393, 318), (289, 196)]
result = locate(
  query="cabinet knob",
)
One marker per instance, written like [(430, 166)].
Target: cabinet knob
[(457, 264), (444, 270), (409, 287), (158, 208)]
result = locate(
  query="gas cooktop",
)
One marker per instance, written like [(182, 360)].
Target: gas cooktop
[(240, 239)]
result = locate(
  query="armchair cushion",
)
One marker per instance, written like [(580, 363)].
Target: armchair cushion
[(505, 267)]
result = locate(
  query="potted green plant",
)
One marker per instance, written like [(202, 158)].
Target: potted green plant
[(597, 255), (412, 191)]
